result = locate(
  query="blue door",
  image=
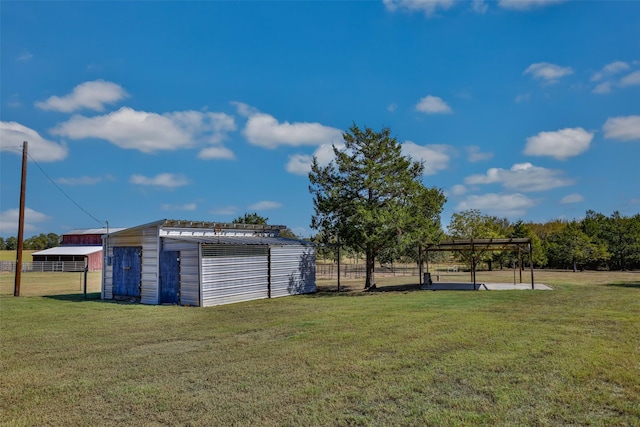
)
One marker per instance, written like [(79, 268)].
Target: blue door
[(127, 271), (169, 277)]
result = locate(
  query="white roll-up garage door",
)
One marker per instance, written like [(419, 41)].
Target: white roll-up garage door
[(234, 273)]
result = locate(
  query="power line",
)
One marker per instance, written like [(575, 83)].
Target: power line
[(65, 194)]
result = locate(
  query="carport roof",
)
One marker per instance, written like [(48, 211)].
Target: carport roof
[(70, 250)]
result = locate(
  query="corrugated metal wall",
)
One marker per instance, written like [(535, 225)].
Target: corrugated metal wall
[(150, 290), (233, 273), (189, 270), (107, 271), (293, 270)]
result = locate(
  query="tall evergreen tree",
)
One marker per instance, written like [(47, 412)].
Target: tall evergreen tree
[(371, 197)]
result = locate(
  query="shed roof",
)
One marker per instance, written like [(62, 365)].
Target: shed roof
[(242, 240), (84, 231), (70, 250), (178, 224)]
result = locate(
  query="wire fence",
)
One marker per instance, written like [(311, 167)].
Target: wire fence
[(358, 271), (43, 266)]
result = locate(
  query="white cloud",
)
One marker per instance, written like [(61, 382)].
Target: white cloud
[(166, 180), (523, 177), (428, 7), (265, 131), (224, 210), (13, 134), (572, 198), (9, 220), (300, 164), (25, 56), (549, 73), (610, 70), (509, 205), (219, 152), (525, 97), (84, 180), (265, 205), (91, 95), (632, 79), (475, 155), (433, 105), (458, 190), (604, 87), (561, 144), (392, 107), (622, 128), (479, 6), (151, 132), (435, 156), (186, 207), (245, 110), (526, 4)]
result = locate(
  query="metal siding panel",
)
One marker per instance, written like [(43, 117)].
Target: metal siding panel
[(190, 276), (234, 279), (292, 270), (150, 288), (107, 275)]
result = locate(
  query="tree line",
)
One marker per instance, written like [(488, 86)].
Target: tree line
[(37, 243), (596, 242)]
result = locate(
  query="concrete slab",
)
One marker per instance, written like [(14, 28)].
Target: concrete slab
[(449, 286)]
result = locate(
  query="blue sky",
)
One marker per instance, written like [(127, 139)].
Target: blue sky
[(138, 111)]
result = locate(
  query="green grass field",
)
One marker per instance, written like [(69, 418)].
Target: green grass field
[(570, 356), (11, 255)]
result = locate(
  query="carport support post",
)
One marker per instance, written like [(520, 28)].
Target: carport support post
[(531, 264), (420, 264), (520, 266), (473, 265)]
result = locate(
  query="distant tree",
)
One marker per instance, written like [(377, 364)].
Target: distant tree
[(11, 243), (473, 224), (251, 218), (371, 197), (42, 241), (254, 218), (288, 233), (622, 237), (53, 240), (3, 244), (573, 247), (523, 230)]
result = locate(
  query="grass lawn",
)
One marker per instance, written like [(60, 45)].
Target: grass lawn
[(570, 356), (11, 255)]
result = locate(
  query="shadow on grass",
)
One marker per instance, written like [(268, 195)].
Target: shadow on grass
[(91, 296), (633, 285), (332, 290)]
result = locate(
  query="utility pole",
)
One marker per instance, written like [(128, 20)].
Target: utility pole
[(23, 191)]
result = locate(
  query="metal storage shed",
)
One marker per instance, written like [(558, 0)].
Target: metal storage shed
[(205, 264)]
